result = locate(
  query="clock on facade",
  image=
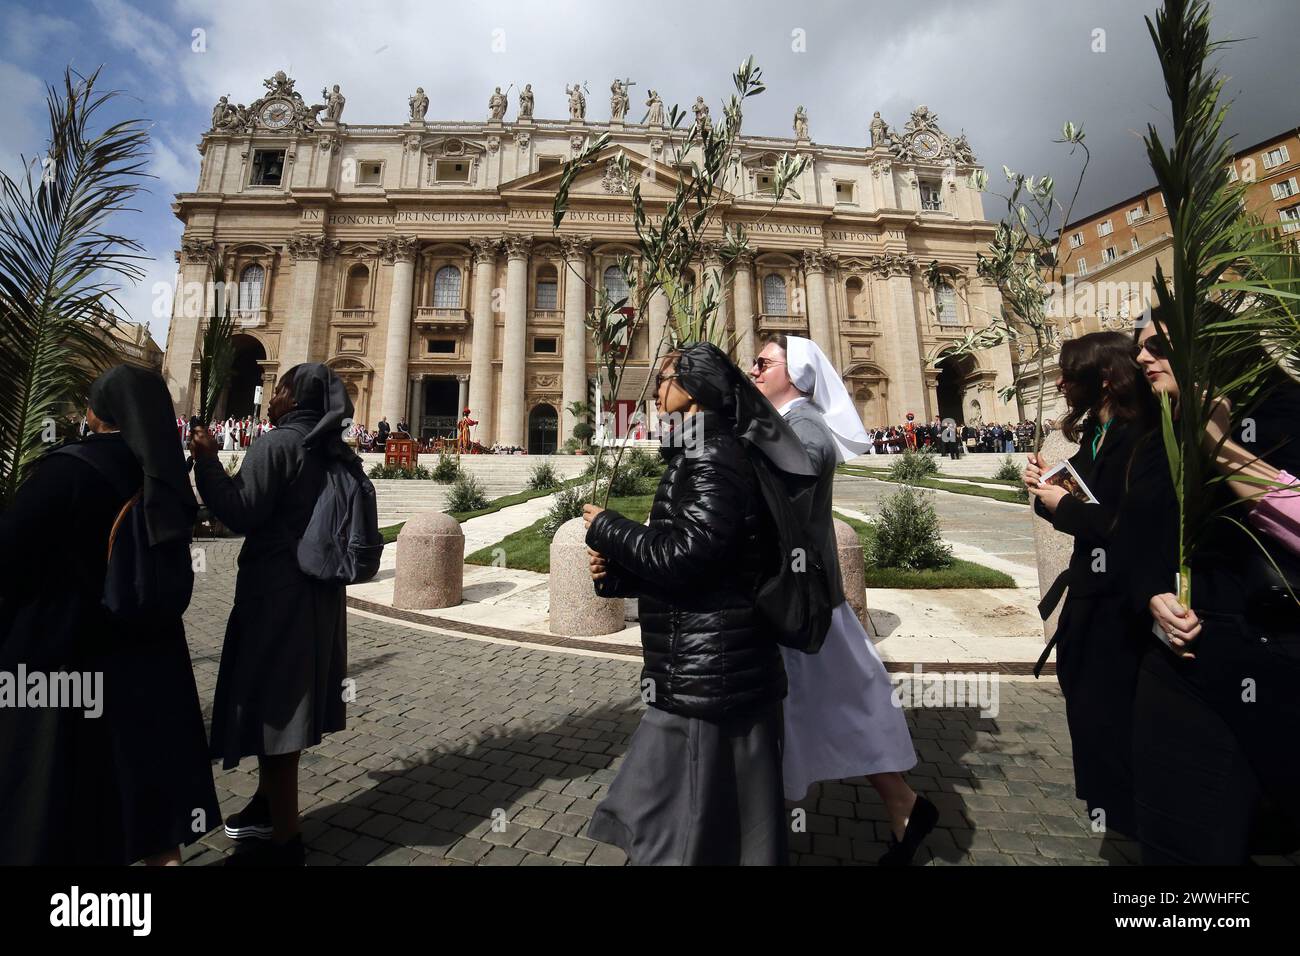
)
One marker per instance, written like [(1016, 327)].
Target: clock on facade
[(277, 114), (926, 145)]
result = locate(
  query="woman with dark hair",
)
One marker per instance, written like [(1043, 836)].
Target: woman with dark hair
[(701, 781), (1100, 637), (1217, 764), (280, 685), (122, 774)]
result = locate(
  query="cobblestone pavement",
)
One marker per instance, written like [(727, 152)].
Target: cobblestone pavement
[(459, 751)]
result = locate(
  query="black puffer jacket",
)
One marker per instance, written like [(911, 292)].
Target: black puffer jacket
[(695, 569)]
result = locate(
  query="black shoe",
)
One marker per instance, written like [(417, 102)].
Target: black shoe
[(267, 853), (251, 823), (922, 820)]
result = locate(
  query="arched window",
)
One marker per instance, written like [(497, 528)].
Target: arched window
[(446, 288), (250, 288), (775, 301), (548, 287), (853, 296), (615, 286), (945, 300), (356, 294)]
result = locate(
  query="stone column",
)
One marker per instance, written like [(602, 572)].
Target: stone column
[(742, 294), (899, 327), (400, 251), (658, 309), (574, 383), (482, 345), (462, 395), (511, 427), (299, 342), (188, 311), (819, 319), (414, 394), (712, 276)]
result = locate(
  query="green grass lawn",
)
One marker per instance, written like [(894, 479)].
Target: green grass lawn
[(528, 549), (959, 574), (960, 486), (496, 504)]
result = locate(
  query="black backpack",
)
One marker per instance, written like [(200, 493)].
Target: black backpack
[(342, 543), (143, 581), (795, 598)]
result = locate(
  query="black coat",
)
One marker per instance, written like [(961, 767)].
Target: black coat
[(284, 660), (1103, 630), (136, 780), (695, 568)]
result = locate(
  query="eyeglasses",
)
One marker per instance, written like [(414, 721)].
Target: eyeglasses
[(660, 378), (1155, 347), (763, 364)]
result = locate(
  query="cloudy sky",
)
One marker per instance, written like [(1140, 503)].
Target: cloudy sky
[(1007, 72)]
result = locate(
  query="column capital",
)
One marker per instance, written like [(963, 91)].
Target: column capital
[(890, 264), (518, 245), (575, 247), (399, 248), (815, 260), (311, 246), (486, 248), (744, 259), (198, 251)]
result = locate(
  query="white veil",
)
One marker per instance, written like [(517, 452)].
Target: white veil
[(812, 373)]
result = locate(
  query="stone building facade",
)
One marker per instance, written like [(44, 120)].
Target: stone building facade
[(419, 260)]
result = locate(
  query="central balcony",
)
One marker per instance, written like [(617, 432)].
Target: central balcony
[(432, 317), (772, 322)]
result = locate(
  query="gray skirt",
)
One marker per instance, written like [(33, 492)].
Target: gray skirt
[(698, 792)]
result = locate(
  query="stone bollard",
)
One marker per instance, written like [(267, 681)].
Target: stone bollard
[(575, 609), (430, 562), (1052, 547), (852, 573)]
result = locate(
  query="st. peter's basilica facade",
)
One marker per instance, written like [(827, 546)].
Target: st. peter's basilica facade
[(418, 260)]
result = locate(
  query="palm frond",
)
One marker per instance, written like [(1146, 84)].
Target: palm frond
[(61, 267)]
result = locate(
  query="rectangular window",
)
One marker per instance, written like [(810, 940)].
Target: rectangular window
[(1076, 240), (549, 164), (1232, 172), (763, 182), (370, 173), (1082, 268), (1108, 254), (844, 193), (946, 302), (1105, 228), (547, 295), (268, 167), (931, 197), (1275, 157), (442, 346), (1134, 244), (1285, 189), (1290, 218), (1135, 214), (546, 345), (452, 171)]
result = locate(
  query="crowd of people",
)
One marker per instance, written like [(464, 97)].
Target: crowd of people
[(741, 718), (945, 436)]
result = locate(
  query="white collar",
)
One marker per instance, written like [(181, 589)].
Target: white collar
[(792, 404)]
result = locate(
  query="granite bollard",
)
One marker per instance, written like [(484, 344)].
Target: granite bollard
[(430, 562), (852, 569), (576, 611), (1052, 547)]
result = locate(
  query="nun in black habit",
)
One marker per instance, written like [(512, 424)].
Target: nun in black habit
[(280, 685), (701, 781), (133, 782)]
